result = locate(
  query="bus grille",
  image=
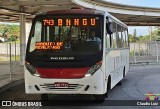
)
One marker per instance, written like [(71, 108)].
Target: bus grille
[(71, 87)]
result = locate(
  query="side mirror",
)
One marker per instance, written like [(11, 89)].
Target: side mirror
[(109, 28)]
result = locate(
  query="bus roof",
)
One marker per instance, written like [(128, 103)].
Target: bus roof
[(74, 11), (116, 20), (83, 11)]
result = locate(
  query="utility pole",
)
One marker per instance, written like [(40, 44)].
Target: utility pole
[(134, 40), (151, 34)]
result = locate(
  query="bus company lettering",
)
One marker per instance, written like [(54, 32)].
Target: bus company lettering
[(69, 22), (49, 45)]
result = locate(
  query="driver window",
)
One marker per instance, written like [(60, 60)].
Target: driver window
[(36, 36)]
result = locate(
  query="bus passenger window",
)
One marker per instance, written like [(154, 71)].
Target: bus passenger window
[(126, 32), (114, 40), (126, 39), (119, 40), (122, 40), (113, 36), (108, 39)]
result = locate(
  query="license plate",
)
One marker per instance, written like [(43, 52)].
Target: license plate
[(61, 84)]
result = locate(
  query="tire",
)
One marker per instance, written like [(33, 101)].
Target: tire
[(108, 86), (123, 72), (44, 96), (119, 83), (100, 98), (106, 95)]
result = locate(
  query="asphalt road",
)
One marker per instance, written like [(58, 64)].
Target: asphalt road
[(139, 81)]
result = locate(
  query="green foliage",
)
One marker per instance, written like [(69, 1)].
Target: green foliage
[(133, 39), (144, 38), (10, 31), (137, 53), (157, 33), (134, 34), (17, 58), (154, 35), (130, 38), (12, 38), (131, 53)]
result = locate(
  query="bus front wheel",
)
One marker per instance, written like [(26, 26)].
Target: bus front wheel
[(44, 96), (100, 98)]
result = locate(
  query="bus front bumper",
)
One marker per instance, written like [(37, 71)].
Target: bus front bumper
[(87, 85)]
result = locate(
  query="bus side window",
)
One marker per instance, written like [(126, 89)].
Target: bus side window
[(114, 35), (108, 36), (114, 40), (123, 37), (120, 38), (126, 38), (108, 39)]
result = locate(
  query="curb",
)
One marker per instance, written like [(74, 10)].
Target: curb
[(4, 63), (143, 64), (11, 84)]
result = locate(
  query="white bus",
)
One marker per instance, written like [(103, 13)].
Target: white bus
[(76, 51)]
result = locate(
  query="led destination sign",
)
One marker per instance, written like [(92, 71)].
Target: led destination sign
[(49, 45), (70, 22)]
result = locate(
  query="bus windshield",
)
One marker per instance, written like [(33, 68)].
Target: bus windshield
[(69, 34)]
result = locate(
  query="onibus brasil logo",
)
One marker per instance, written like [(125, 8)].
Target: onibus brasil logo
[(151, 97)]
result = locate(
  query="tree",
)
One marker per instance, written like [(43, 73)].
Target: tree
[(130, 38), (156, 33), (134, 35), (10, 31), (144, 38)]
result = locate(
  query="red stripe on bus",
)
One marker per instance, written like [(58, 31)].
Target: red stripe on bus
[(62, 72)]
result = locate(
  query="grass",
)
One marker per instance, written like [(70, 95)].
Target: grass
[(17, 57), (13, 42), (3, 59)]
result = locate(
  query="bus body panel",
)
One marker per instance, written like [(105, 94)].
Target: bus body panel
[(116, 62), (95, 83)]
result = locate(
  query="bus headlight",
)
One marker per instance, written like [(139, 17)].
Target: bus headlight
[(31, 69), (93, 69)]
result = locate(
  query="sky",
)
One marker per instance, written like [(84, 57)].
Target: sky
[(146, 3), (141, 30)]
